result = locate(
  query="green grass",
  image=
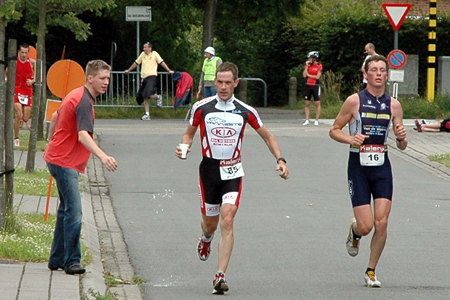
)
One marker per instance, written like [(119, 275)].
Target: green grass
[(442, 159), (24, 137), (26, 237), (107, 296), (35, 183)]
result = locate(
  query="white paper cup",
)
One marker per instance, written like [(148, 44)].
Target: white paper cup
[(184, 148)]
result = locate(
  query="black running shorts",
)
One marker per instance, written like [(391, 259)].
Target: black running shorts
[(364, 181)]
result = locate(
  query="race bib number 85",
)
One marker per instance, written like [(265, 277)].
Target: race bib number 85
[(231, 169), (371, 155)]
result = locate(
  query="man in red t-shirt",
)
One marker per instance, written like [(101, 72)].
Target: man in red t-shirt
[(312, 73), (71, 144), (23, 91)]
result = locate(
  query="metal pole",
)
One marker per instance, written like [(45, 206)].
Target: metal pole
[(137, 53), (431, 72), (395, 39), (395, 90)]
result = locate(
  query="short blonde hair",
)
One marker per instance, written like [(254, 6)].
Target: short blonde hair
[(94, 67)]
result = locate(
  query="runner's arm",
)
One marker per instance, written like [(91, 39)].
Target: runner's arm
[(272, 143), (346, 115), (397, 121), (188, 137)]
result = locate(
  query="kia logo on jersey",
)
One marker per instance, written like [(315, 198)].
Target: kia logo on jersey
[(223, 132)]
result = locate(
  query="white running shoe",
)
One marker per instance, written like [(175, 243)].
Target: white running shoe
[(17, 142), (352, 243), (316, 123), (306, 123), (159, 101), (220, 284), (146, 117), (371, 280)]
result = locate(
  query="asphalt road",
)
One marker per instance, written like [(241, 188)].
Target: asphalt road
[(289, 235)]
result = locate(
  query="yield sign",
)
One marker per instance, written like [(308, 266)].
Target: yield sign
[(396, 13)]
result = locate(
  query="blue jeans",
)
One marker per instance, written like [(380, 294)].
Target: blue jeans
[(210, 91), (66, 250)]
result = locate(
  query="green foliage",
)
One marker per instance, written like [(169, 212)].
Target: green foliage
[(415, 108), (252, 33), (340, 29), (331, 87), (9, 11), (175, 33), (62, 13), (107, 296)]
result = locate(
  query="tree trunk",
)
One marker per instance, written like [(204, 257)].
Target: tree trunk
[(38, 88), (208, 24), (9, 119), (2, 113)]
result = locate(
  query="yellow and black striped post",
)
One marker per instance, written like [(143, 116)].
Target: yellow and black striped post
[(431, 51)]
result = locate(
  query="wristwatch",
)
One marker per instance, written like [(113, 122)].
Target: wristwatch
[(281, 159)]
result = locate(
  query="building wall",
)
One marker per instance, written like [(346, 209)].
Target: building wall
[(422, 7)]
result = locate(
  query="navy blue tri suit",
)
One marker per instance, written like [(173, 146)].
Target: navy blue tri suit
[(369, 169), (222, 126)]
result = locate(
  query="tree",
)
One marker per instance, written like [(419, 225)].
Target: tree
[(208, 23), (2, 114), (7, 12), (251, 34)]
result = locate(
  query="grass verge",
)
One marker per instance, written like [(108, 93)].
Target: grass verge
[(35, 183), (442, 159), (28, 238)]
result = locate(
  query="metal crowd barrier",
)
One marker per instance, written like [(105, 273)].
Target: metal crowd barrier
[(123, 88)]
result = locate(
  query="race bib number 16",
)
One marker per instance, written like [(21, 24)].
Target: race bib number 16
[(231, 169), (371, 155)]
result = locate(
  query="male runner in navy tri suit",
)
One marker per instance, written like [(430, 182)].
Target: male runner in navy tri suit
[(369, 114)]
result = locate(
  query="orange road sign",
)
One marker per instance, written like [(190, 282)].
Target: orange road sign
[(64, 76)]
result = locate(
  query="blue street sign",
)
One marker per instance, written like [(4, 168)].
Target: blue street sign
[(397, 59)]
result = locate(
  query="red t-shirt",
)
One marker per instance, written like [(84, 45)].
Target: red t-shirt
[(314, 69), (75, 114), (24, 71)]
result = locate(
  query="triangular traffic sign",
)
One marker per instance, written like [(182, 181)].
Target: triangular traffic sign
[(396, 13)]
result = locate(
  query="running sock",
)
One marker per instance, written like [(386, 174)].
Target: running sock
[(207, 239), (357, 237), (370, 269), (147, 113)]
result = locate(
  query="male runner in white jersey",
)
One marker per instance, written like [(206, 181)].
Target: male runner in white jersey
[(222, 121), (369, 114)]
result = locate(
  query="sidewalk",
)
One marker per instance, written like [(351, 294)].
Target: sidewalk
[(25, 281)]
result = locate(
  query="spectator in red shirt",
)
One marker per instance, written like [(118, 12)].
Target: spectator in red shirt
[(312, 73), (71, 144)]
